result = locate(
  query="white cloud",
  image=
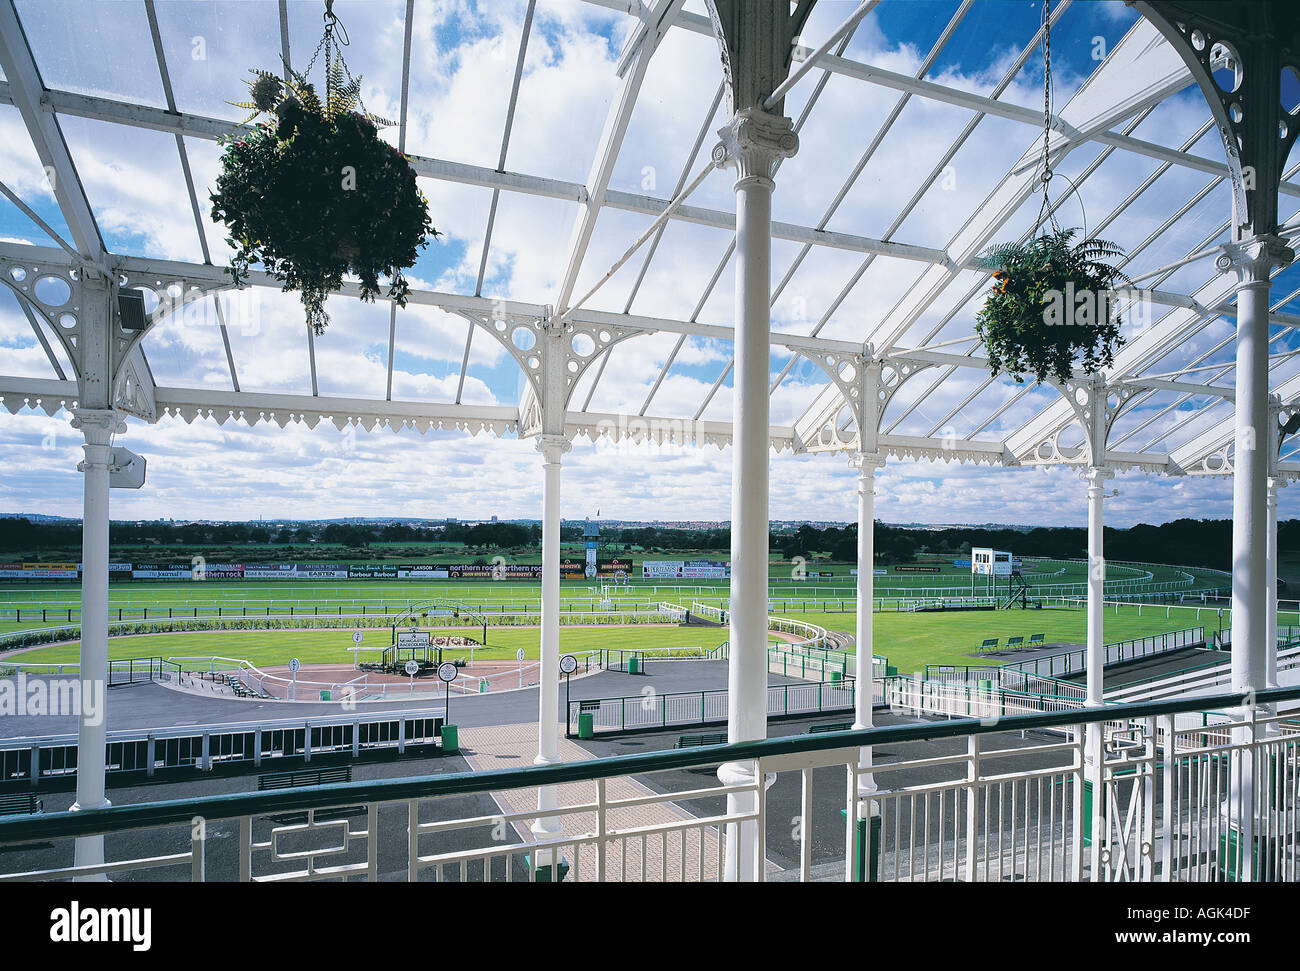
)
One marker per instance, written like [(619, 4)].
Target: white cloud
[(463, 61)]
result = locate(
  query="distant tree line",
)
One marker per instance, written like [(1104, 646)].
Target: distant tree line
[(1186, 542), (1183, 542)]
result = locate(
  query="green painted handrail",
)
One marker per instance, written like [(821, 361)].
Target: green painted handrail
[(90, 822)]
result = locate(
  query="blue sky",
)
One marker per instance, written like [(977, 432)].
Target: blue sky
[(463, 60)]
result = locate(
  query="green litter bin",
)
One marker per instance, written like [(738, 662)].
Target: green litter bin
[(483, 686), (450, 740), (864, 871), (586, 725), (986, 685), (324, 696), (837, 675), (634, 665), (545, 872)]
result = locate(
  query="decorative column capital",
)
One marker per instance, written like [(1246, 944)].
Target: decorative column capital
[(867, 463), (99, 425), (754, 142), (1254, 259), (1096, 477), (553, 447)]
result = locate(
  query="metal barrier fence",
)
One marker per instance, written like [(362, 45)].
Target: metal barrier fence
[(684, 709), (1202, 677), (1030, 797), (521, 613), (847, 659), (965, 700), (34, 760), (1285, 632), (809, 667), (1076, 661), (131, 670), (1003, 678)]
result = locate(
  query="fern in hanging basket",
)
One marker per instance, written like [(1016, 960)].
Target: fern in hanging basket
[(1052, 309), (316, 193)]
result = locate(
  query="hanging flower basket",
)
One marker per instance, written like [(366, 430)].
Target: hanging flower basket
[(1052, 310), (316, 193)]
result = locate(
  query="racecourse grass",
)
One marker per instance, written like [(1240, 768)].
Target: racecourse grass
[(909, 640)]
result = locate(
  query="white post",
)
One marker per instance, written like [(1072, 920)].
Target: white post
[(1270, 585), (1253, 261), (98, 426), (552, 448), (753, 142), (1096, 586), (867, 465), (1094, 741)]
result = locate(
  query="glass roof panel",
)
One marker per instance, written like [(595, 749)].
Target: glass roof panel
[(101, 49), (209, 49)]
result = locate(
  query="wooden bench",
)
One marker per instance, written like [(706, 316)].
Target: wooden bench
[(20, 804), (704, 738), (1015, 642), (829, 727), (988, 644), (589, 705), (1036, 640), (304, 777)]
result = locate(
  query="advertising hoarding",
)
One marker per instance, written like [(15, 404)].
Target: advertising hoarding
[(685, 569), (271, 571)]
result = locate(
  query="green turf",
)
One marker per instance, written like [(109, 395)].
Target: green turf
[(306, 596), (331, 646), (909, 640), (912, 640)]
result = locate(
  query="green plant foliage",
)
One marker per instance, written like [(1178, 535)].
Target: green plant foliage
[(1051, 311), (317, 194)]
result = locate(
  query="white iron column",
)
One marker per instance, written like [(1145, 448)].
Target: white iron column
[(1096, 478), (1096, 648), (98, 427), (753, 142), (552, 448), (867, 465), (1253, 261), (1270, 583)]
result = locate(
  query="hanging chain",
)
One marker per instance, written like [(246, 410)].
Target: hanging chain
[(332, 46), (1045, 176)]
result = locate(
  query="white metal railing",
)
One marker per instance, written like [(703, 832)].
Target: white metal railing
[(1075, 661), (364, 687), (1216, 674), (1144, 796), (34, 760), (969, 700)]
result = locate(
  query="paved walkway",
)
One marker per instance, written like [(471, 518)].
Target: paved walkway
[(691, 855)]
